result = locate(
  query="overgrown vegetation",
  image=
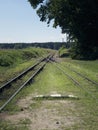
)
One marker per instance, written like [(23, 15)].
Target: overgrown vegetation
[(12, 56), (83, 52), (13, 62), (63, 52), (51, 81)]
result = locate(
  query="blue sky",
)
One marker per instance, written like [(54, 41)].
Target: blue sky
[(20, 23)]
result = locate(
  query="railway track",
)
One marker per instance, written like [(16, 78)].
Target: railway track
[(79, 74), (82, 75), (75, 81), (10, 89)]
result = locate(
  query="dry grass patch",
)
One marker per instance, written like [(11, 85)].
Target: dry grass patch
[(44, 114)]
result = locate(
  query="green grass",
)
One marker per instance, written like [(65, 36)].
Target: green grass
[(7, 125), (51, 80), (85, 84), (19, 61), (7, 73), (11, 56), (89, 68)]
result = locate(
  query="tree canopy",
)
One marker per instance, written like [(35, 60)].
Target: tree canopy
[(77, 18)]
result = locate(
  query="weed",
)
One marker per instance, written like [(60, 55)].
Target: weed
[(84, 112)]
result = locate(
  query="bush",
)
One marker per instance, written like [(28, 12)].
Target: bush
[(83, 52), (12, 56), (5, 60), (63, 52)]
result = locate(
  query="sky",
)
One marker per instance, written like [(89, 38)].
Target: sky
[(20, 23)]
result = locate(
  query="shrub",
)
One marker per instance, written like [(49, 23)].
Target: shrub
[(63, 52), (5, 60), (78, 52), (12, 56)]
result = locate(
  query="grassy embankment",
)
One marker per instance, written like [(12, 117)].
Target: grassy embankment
[(14, 61), (83, 112)]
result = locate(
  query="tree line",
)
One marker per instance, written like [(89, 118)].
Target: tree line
[(48, 45)]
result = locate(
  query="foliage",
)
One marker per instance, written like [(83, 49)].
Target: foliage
[(79, 19), (83, 52), (32, 52), (9, 57), (5, 60), (50, 45), (63, 52), (12, 56)]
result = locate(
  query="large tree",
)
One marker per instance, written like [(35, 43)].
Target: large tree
[(77, 18)]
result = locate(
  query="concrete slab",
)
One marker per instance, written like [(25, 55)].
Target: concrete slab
[(55, 96)]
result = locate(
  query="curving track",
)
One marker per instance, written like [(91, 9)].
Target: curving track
[(10, 89)]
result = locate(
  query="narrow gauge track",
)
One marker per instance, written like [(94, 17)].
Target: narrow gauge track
[(70, 77), (10, 89), (82, 75), (22, 74)]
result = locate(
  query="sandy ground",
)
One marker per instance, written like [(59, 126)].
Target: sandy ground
[(44, 114)]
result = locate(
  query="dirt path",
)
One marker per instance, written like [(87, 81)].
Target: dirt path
[(44, 114)]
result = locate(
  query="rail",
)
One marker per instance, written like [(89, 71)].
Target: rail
[(74, 80), (13, 94)]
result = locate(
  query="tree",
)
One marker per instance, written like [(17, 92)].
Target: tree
[(77, 18)]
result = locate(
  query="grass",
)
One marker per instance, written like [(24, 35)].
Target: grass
[(53, 81), (9, 126), (10, 72), (50, 81), (11, 56), (20, 61), (89, 68)]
